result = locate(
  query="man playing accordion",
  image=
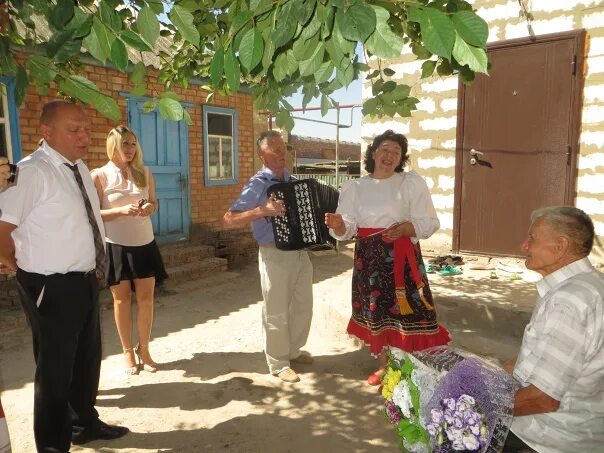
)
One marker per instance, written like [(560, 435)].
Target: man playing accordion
[(285, 275)]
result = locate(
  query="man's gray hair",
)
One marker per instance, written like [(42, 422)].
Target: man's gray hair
[(264, 136), (571, 222)]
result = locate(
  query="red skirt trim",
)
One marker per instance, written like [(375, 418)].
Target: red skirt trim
[(408, 342)]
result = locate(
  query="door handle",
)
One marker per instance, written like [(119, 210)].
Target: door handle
[(473, 152), (183, 181)]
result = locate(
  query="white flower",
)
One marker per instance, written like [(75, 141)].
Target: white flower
[(449, 403), (470, 441), (465, 402), (398, 354), (437, 416), (402, 398)]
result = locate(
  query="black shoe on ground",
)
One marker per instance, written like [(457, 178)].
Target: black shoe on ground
[(97, 430)]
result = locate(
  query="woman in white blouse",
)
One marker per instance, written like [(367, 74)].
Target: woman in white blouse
[(127, 192), (389, 211)]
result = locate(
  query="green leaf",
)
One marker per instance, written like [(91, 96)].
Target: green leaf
[(61, 14), (80, 23), (357, 23), (187, 117), (183, 21), (280, 67), (383, 42), (170, 109), (444, 68), (139, 90), (133, 40), (150, 105), (286, 25), (217, 66), (369, 106), (137, 75), (41, 69), (156, 5), (389, 86), (420, 51), (232, 70), (438, 32), (345, 76), (284, 120), (62, 46), (325, 104), (98, 42), (87, 92), (110, 17), (389, 72), (324, 72), (311, 29), (428, 68), (148, 25), (251, 48), (307, 11), (169, 94), (20, 85), (474, 57), (471, 27), (119, 55), (310, 66)]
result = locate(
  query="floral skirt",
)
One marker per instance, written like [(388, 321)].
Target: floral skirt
[(392, 303)]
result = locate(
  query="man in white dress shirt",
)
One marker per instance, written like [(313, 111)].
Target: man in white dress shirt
[(560, 407), (49, 236)]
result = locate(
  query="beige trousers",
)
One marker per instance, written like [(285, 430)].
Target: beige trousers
[(286, 279)]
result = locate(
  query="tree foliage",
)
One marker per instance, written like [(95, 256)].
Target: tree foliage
[(276, 47)]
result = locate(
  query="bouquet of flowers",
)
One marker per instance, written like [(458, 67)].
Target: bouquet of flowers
[(446, 400)]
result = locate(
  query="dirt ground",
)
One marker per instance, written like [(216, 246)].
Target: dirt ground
[(213, 392)]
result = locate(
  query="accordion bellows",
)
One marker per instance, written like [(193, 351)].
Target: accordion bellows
[(303, 224)]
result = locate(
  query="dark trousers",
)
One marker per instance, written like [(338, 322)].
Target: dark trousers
[(63, 312), (513, 444)]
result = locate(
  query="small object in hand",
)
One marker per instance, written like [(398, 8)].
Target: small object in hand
[(142, 202), (14, 171)]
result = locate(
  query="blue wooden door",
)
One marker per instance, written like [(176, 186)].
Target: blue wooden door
[(166, 152)]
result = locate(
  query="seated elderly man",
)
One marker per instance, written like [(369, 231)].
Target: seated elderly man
[(560, 406)]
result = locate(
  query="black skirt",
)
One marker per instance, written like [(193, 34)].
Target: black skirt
[(126, 262)]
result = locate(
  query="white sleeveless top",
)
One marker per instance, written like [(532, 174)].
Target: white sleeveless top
[(118, 191)]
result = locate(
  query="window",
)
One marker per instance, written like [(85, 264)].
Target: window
[(6, 148), (220, 145), (10, 141)]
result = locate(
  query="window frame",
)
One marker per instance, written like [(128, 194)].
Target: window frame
[(207, 109), (13, 119)]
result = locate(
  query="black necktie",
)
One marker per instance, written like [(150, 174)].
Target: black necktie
[(99, 247)]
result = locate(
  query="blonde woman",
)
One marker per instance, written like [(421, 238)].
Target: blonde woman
[(127, 192)]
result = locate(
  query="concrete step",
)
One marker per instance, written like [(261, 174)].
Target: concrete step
[(173, 256), (196, 269)]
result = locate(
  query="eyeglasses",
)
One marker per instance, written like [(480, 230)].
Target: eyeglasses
[(390, 149)]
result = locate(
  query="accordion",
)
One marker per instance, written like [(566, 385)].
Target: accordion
[(303, 224)]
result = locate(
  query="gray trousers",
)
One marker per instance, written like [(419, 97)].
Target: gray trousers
[(286, 279)]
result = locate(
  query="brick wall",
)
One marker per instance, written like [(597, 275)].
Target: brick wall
[(317, 148), (208, 204)]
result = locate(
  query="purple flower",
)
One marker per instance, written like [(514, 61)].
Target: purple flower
[(449, 403), (432, 429), (471, 417), (393, 413)]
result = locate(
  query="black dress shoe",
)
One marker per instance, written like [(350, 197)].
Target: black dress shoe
[(97, 430)]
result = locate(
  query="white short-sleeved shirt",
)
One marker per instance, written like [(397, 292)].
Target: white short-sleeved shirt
[(562, 354), (53, 234), (119, 191), (368, 202)]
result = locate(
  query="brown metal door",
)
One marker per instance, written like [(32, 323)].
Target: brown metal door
[(517, 141)]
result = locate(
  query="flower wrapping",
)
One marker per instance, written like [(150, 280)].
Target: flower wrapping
[(444, 399)]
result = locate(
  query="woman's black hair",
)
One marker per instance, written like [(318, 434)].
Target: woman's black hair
[(377, 141)]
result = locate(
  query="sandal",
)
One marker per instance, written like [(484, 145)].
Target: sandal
[(376, 378), (449, 269), (129, 357), (150, 365)]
